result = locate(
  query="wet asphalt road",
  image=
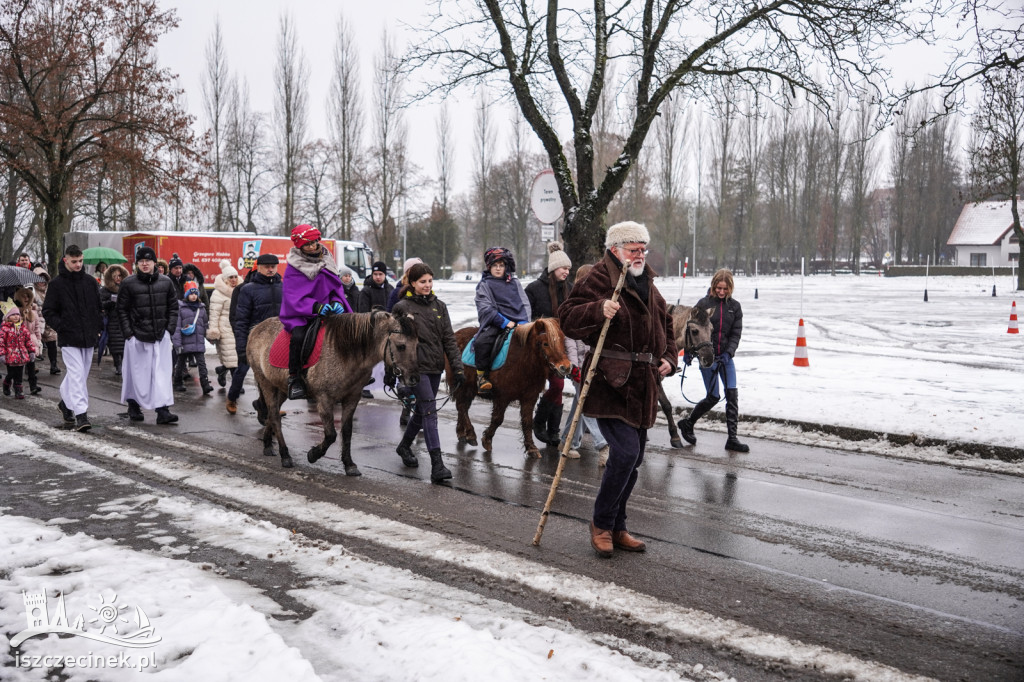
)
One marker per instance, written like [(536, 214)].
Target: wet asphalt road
[(913, 565)]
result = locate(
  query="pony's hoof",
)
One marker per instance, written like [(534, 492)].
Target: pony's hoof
[(313, 455), (353, 470), (486, 444), (472, 441), (463, 441), (269, 451), (676, 443), (533, 452), (286, 462)]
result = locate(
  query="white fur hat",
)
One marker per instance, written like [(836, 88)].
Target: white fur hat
[(625, 233), (557, 258), (227, 269)]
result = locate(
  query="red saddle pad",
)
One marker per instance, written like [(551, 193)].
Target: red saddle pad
[(279, 350)]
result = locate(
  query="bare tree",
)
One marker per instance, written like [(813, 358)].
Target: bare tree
[(863, 165), (249, 158), (291, 80), (86, 87), (509, 183), (836, 166), (445, 160), (725, 110), (540, 51), (671, 131), (484, 136), (217, 85), (346, 125), (997, 153), (386, 180)]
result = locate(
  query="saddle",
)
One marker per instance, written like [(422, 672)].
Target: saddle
[(312, 344), (499, 356)]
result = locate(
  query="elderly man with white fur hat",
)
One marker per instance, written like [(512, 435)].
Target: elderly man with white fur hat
[(639, 349)]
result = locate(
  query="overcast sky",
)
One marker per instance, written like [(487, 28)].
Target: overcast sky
[(250, 29)]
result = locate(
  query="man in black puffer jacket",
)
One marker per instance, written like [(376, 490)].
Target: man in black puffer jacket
[(258, 300), (147, 307), (72, 308)]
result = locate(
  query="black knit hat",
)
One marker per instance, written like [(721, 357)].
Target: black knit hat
[(146, 253), (175, 262), (380, 266), (267, 259)]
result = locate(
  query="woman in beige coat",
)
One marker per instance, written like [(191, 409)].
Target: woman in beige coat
[(220, 331)]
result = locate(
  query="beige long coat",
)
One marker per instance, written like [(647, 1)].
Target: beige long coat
[(220, 324)]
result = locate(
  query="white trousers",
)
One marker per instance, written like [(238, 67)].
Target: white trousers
[(146, 373), (74, 390)]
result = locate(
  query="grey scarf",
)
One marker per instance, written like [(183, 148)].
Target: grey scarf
[(310, 266)]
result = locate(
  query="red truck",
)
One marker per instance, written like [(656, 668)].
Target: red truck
[(207, 249)]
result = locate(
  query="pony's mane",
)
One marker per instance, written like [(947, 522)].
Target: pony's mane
[(550, 327), (357, 332)]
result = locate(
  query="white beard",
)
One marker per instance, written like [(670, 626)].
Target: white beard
[(637, 270)]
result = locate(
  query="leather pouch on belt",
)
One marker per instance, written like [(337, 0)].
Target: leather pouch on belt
[(616, 372)]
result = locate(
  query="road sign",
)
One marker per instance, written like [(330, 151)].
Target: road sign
[(544, 199)]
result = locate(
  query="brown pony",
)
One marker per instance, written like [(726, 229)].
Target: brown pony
[(353, 344), (692, 331), (536, 349)]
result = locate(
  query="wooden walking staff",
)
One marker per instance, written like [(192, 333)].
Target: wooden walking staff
[(579, 410)]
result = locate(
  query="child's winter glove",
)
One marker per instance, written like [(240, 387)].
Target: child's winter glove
[(31, 357), (3, 360)]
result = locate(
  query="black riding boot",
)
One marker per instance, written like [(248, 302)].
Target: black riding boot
[(438, 471), (540, 420), (699, 410), (296, 381), (732, 415), (554, 434), (404, 451)]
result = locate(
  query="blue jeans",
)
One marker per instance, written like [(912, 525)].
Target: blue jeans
[(588, 424), (425, 416), (726, 370), (625, 455)]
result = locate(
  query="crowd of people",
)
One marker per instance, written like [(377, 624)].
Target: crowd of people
[(155, 323)]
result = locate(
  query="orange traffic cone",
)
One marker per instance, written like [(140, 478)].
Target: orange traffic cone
[(800, 359), (1012, 329)]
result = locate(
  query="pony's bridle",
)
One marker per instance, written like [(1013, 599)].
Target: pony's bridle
[(389, 352)]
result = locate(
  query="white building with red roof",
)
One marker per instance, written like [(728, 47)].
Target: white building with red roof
[(983, 235)]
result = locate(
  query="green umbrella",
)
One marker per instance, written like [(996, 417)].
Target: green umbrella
[(95, 254)]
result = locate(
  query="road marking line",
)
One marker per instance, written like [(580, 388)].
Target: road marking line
[(684, 623)]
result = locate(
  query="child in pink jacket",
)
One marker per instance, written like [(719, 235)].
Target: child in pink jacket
[(16, 349)]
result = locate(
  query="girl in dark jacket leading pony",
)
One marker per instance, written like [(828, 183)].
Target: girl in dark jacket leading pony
[(727, 327), (436, 344)]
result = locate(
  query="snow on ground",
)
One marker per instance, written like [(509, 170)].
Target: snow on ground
[(881, 359), (369, 621)]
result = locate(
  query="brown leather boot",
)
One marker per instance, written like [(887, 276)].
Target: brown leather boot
[(623, 540), (601, 541)]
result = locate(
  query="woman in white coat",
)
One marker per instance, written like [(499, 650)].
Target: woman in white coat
[(220, 325)]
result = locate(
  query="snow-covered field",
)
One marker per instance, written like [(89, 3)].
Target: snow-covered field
[(881, 358)]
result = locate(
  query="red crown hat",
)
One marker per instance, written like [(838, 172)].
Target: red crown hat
[(304, 234)]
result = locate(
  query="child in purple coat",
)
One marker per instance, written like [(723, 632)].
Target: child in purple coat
[(311, 287)]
